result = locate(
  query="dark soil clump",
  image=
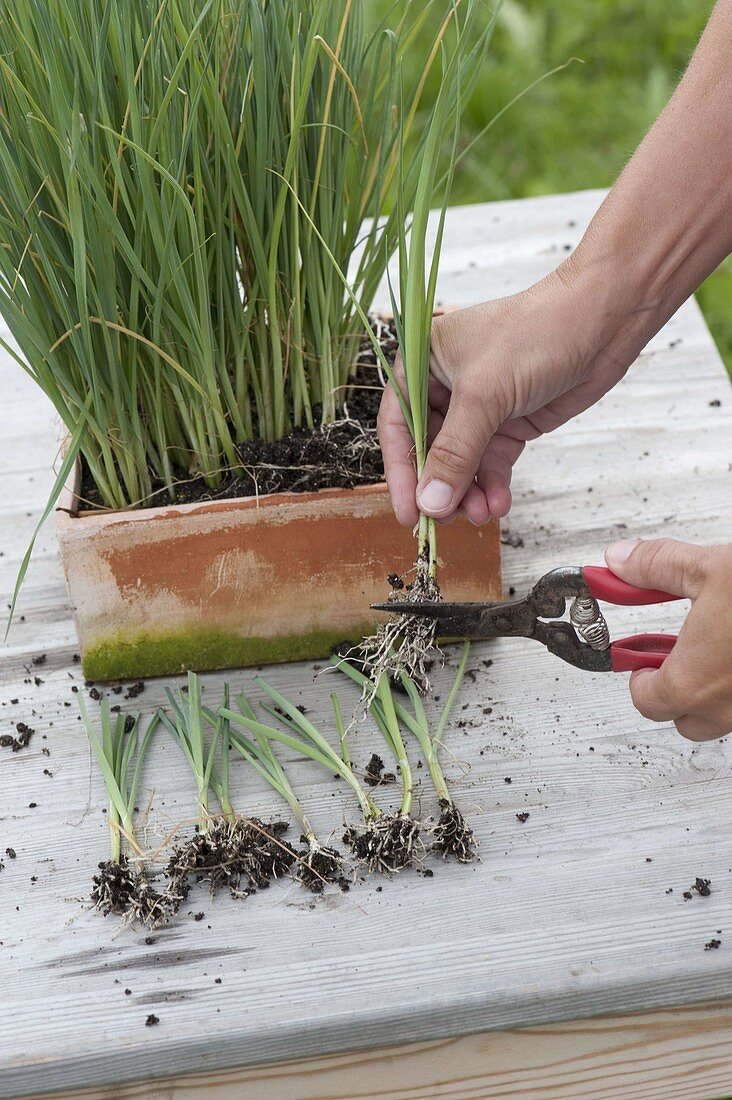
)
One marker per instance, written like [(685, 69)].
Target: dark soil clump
[(24, 732), (241, 856), (319, 866), (388, 844), (374, 768), (453, 837), (340, 455)]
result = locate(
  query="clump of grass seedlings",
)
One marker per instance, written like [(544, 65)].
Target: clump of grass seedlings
[(319, 864), (121, 887), (238, 853), (306, 740), (384, 842), (452, 836), (158, 267)]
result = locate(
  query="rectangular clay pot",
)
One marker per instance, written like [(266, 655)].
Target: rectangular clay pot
[(247, 581)]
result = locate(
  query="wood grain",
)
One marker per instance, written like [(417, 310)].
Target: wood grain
[(577, 913), (677, 1054)]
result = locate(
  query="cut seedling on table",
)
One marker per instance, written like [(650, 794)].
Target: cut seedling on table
[(229, 850), (304, 739), (393, 840), (452, 835), (319, 864), (119, 887)]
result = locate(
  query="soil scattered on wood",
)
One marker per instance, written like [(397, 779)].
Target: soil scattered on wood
[(373, 770), (24, 734), (340, 455)]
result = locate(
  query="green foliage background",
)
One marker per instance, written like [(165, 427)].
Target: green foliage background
[(577, 129)]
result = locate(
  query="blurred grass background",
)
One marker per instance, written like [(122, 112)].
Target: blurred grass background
[(577, 129)]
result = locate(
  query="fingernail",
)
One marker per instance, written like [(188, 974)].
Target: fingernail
[(619, 552), (435, 496)]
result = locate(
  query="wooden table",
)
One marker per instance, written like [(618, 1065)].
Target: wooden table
[(511, 978)]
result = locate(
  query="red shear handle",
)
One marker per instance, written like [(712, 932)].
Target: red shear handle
[(604, 585), (641, 651)]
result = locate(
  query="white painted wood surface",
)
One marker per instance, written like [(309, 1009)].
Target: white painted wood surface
[(567, 916)]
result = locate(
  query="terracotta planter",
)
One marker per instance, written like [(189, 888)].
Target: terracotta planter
[(245, 581)]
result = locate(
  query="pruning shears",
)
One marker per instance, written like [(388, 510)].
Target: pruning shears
[(583, 641)]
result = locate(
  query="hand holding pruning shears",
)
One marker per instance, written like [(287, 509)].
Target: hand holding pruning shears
[(662, 688), (505, 372)]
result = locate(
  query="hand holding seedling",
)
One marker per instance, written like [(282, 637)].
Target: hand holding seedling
[(505, 372)]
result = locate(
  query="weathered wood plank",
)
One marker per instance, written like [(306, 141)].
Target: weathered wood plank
[(564, 918), (677, 1054)]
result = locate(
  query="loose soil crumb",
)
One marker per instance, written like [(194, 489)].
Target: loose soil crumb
[(453, 836), (523, 816), (340, 455), (25, 732), (374, 768), (703, 887)]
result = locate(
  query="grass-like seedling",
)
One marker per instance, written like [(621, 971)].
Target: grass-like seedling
[(320, 863), (120, 752), (241, 854), (394, 841), (452, 835), (306, 740)]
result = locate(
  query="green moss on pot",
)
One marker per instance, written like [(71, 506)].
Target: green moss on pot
[(121, 657)]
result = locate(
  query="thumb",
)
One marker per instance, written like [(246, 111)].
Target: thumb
[(666, 564), (453, 458)]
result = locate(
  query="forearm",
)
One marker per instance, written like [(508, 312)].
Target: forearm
[(667, 222)]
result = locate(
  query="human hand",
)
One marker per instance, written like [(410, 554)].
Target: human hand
[(507, 371), (501, 373), (693, 687)]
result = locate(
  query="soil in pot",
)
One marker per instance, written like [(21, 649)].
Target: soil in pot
[(340, 455)]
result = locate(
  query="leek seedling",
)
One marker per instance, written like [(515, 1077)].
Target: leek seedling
[(240, 853), (452, 835), (120, 754), (319, 864), (394, 840), (303, 738)]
